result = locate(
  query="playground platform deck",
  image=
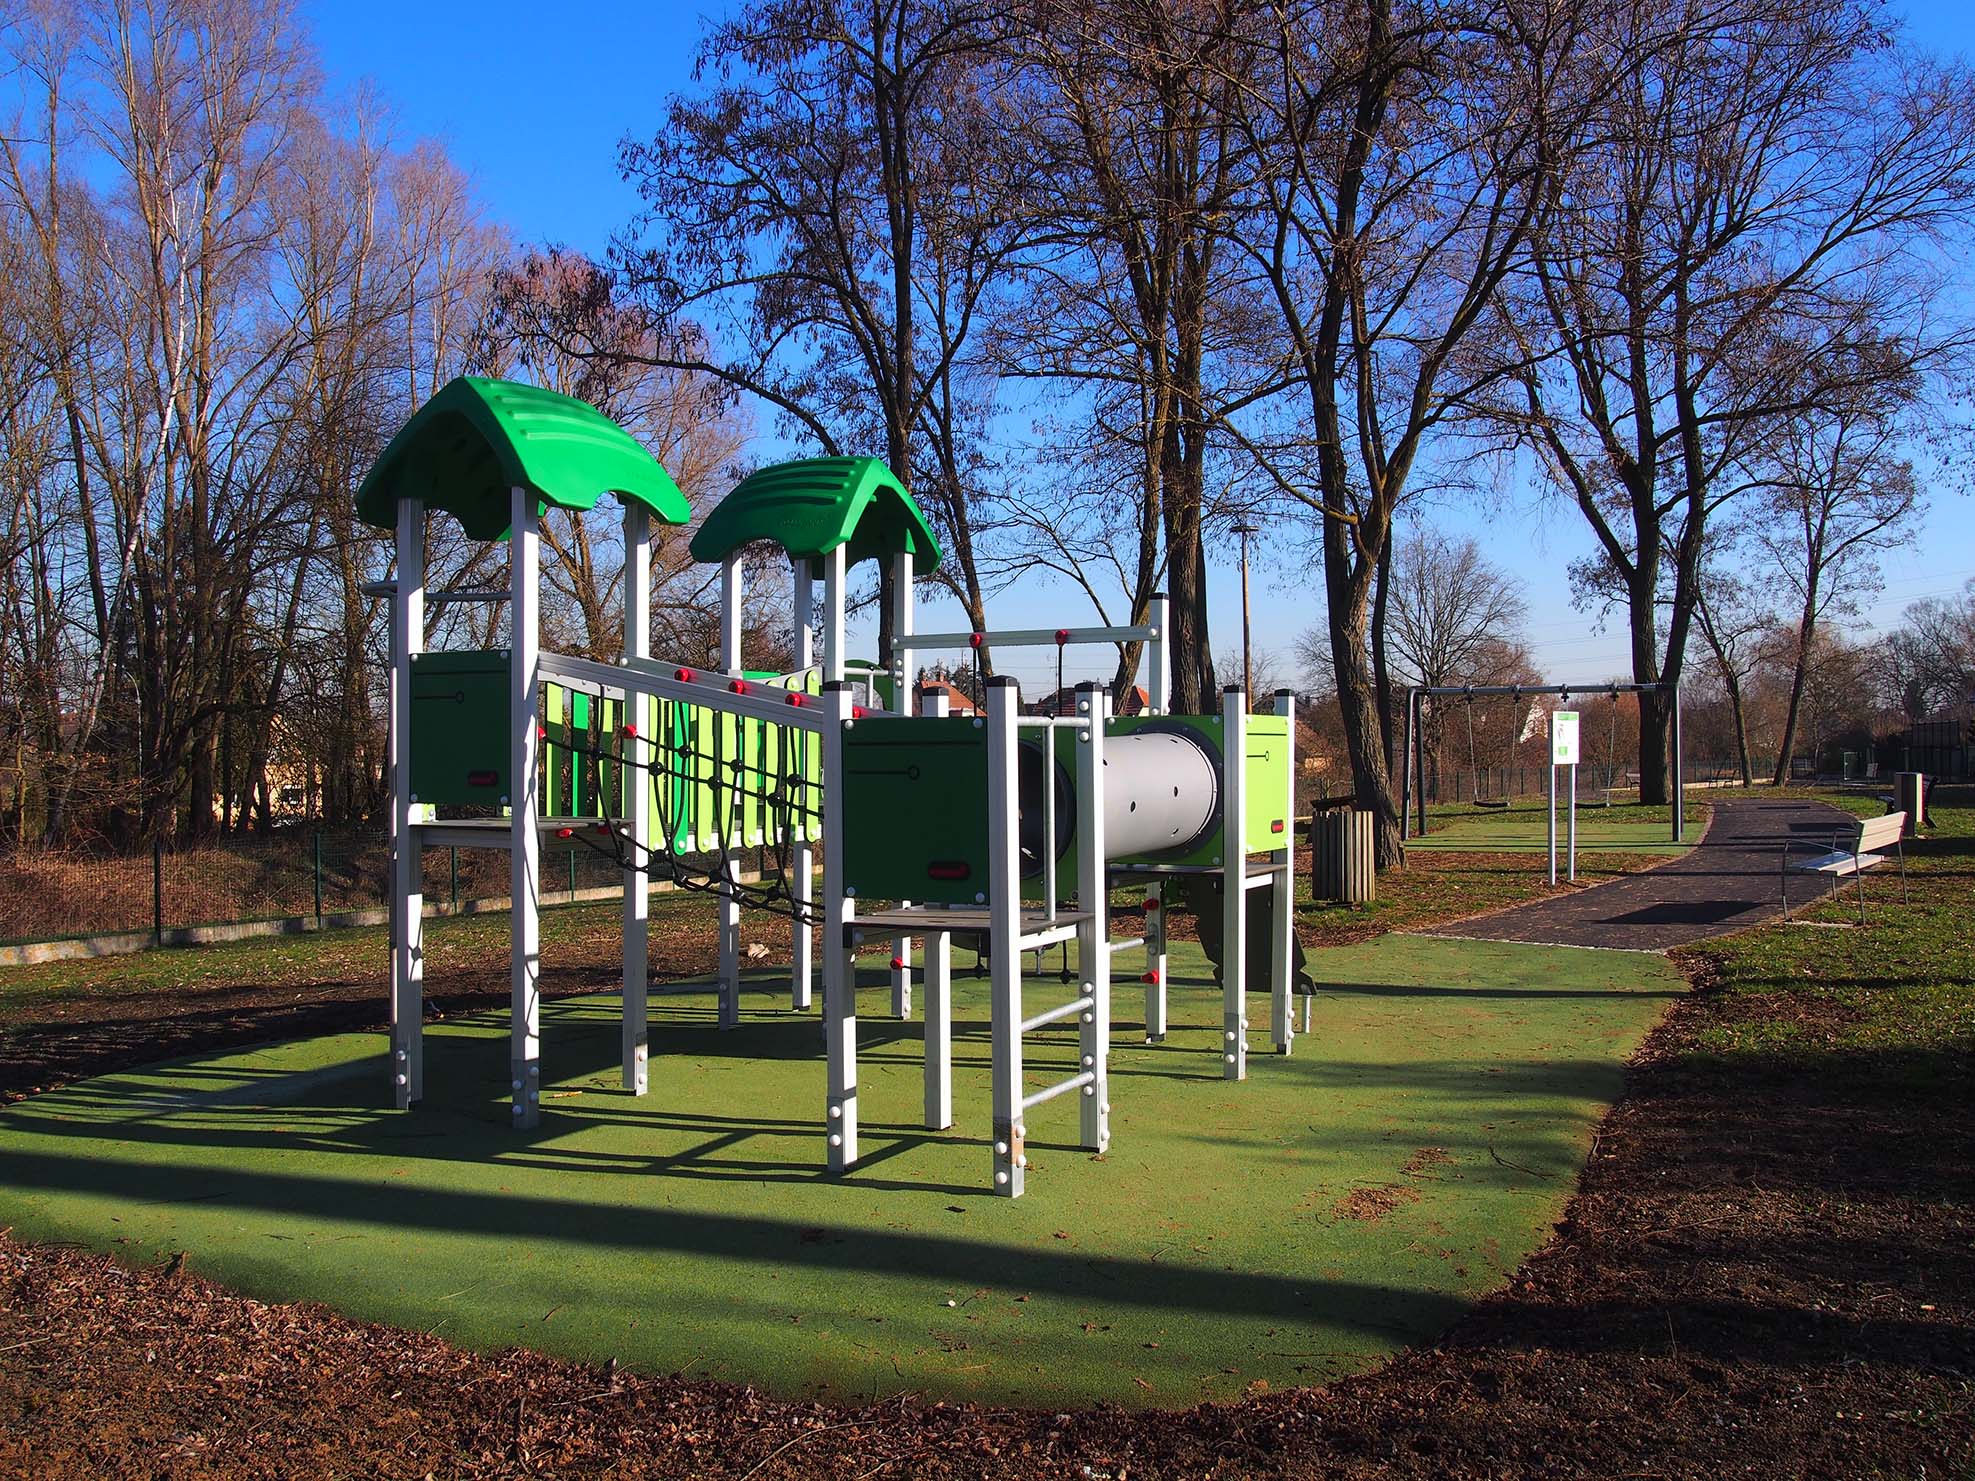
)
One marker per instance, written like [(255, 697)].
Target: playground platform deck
[(1726, 883)]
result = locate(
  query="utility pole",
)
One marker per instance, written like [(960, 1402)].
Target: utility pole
[(1244, 529)]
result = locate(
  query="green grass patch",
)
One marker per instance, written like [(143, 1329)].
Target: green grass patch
[(1824, 995), (1341, 1203), (1522, 827)]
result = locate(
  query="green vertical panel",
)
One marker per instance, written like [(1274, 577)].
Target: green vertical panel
[(754, 743), (773, 739), (1267, 795), (705, 811), (552, 707)]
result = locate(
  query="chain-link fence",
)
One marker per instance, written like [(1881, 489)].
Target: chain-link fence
[(56, 894)]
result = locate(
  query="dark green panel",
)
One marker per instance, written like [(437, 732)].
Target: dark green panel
[(459, 728), (915, 802)]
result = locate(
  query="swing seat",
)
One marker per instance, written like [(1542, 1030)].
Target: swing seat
[(1491, 802)]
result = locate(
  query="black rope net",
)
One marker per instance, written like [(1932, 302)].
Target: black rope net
[(771, 794)]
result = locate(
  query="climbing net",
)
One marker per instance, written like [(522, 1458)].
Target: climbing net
[(707, 794)]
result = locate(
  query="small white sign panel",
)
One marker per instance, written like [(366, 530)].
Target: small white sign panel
[(1563, 737)]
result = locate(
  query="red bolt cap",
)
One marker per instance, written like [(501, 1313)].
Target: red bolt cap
[(684, 676), (565, 833), (541, 732), (1150, 906), (857, 712), (897, 963), (798, 700), (974, 640), (1151, 978), (739, 686), (1062, 636), (631, 730)]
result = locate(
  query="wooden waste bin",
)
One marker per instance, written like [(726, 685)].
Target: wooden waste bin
[(1341, 856)]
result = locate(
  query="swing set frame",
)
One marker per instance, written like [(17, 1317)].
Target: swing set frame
[(1413, 792)]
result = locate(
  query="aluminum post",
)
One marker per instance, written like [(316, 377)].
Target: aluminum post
[(939, 987), (1155, 962), (1234, 885), (524, 804), (901, 616), (802, 885), (839, 966), (639, 744), (1679, 774), (1158, 649), (1004, 936), (1406, 774), (729, 822), (407, 876), (1282, 919), (1094, 930)]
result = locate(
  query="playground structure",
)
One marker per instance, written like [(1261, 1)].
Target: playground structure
[(1004, 826), (1414, 778)]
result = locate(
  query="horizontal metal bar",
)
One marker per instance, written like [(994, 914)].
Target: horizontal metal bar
[(1028, 637), (647, 677), (1130, 943), (1258, 881), (1058, 1013), (487, 594), (1061, 1087), (1045, 722), (1494, 691), (1036, 940)]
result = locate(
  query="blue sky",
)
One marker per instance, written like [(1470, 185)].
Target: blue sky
[(534, 108)]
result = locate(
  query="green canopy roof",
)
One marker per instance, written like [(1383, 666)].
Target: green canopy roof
[(477, 439), (812, 506)]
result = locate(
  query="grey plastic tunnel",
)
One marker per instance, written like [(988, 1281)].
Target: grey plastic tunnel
[(1162, 794)]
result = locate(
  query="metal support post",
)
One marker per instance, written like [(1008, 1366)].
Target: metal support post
[(1282, 1026), (801, 859), (638, 742), (1679, 774), (1158, 652), (939, 989), (901, 615), (730, 824), (1571, 868), (1406, 773), (1004, 936), (407, 878), (1234, 885), (524, 788), (836, 596), (1094, 931), (839, 966), (1155, 962), (1550, 813)]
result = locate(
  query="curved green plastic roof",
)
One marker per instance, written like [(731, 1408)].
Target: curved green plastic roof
[(811, 506), (477, 439)]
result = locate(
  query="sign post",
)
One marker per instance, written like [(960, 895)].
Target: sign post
[(1563, 752)]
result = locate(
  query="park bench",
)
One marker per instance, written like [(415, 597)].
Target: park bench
[(1852, 852)]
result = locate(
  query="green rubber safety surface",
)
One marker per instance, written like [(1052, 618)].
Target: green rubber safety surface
[(1341, 1203)]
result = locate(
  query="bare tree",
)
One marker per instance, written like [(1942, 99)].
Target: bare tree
[(1736, 625), (1748, 223)]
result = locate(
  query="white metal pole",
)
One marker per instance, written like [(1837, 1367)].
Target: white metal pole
[(939, 988), (1550, 809), (1004, 936), (1282, 1026), (801, 882), (901, 616), (524, 787), (1094, 930), (1155, 962), (407, 874), (1572, 876), (836, 580), (1234, 885), (839, 967), (639, 745), (729, 823), (1158, 676)]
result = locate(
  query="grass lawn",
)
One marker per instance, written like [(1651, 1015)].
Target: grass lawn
[(1522, 827), (1342, 1203)]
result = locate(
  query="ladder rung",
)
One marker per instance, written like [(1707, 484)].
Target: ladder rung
[(1130, 943), (1062, 1010), (1061, 1087)]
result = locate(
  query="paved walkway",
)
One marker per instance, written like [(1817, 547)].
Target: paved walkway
[(1724, 884)]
